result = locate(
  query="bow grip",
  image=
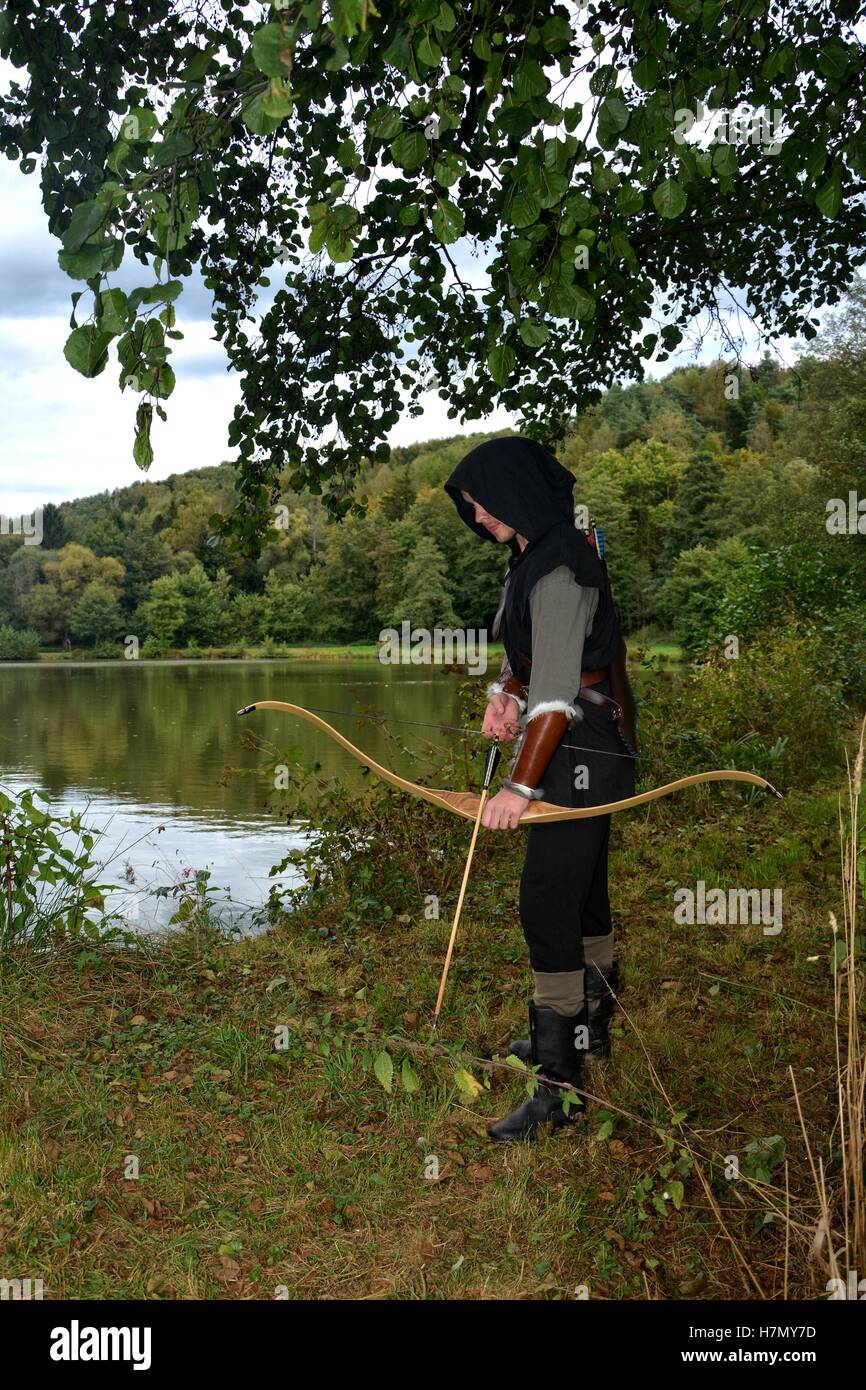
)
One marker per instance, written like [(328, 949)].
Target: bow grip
[(491, 764)]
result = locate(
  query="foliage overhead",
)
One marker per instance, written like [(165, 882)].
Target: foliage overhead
[(347, 148)]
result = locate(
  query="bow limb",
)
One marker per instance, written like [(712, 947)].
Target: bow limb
[(444, 799), (537, 812)]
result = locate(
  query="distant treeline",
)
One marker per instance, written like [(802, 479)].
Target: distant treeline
[(711, 487)]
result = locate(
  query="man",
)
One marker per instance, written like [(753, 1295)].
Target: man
[(563, 683)]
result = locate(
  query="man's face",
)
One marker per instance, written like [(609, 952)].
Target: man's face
[(497, 528)]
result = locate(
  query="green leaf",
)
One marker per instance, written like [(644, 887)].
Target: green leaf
[(829, 196), (165, 382), (399, 51), (427, 51), (669, 198), (384, 1069), (89, 260), (725, 160), (571, 302), (409, 1079), (86, 350), (604, 1131), (138, 125), (447, 221), (530, 80), (160, 293), (114, 312), (557, 33), (533, 333), (481, 48), (448, 168), (515, 119), (384, 123), (339, 244), (523, 208), (446, 19), (834, 59), (409, 150), (86, 219), (268, 43), (629, 199), (500, 363), (604, 178), (689, 11), (467, 1082), (579, 207), (676, 1192), (278, 100), (614, 113), (175, 146), (198, 64), (645, 73), (142, 453), (319, 234), (256, 118)]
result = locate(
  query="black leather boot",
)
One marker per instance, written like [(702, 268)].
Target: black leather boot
[(555, 1049), (600, 1006)]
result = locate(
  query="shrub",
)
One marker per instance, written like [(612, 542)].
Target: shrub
[(777, 710), (18, 644)]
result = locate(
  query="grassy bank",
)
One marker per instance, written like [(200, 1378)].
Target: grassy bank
[(265, 1168), (662, 651)]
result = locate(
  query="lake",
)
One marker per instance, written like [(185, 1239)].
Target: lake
[(145, 744)]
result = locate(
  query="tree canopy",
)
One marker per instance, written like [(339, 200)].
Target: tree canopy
[(344, 149)]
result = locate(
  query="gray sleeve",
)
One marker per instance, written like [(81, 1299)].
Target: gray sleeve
[(562, 613)]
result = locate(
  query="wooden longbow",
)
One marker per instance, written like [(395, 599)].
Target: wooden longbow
[(466, 804)]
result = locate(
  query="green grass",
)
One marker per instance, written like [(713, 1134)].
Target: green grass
[(263, 1169), (661, 650)]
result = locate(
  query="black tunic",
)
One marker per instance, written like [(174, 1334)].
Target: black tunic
[(523, 485)]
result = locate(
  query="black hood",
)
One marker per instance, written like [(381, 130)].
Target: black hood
[(519, 482)]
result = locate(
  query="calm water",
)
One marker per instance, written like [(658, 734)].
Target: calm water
[(143, 745)]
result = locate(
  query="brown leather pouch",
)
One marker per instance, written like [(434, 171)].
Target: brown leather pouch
[(622, 693)]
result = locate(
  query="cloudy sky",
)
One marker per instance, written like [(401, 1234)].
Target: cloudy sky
[(62, 436)]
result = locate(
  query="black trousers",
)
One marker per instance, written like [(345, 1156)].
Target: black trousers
[(563, 891), (563, 887)]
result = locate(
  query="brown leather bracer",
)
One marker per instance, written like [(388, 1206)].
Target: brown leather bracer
[(540, 741)]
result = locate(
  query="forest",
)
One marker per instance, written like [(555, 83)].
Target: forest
[(718, 489)]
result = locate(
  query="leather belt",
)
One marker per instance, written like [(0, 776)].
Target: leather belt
[(593, 677)]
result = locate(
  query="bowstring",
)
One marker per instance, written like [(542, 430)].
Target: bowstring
[(384, 719)]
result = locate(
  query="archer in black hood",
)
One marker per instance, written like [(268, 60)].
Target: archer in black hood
[(519, 482), (523, 485), (522, 496)]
